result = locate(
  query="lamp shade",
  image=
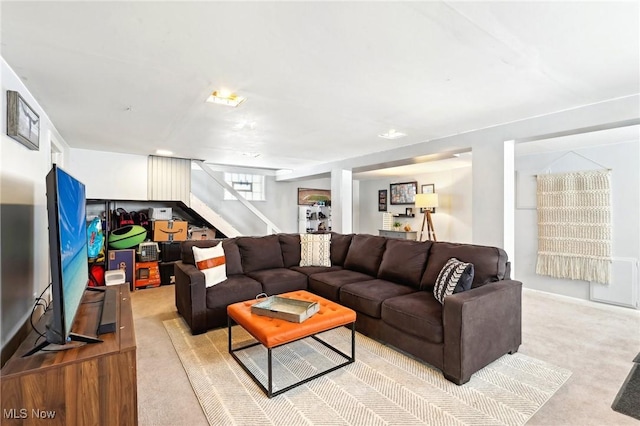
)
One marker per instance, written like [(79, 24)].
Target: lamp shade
[(426, 200)]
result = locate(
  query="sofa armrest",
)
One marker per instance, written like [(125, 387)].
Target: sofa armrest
[(481, 325), (191, 296)]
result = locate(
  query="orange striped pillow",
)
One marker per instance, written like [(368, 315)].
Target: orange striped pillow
[(211, 261)]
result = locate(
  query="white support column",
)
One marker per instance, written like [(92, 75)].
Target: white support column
[(509, 203), (493, 213), (355, 220), (341, 201)]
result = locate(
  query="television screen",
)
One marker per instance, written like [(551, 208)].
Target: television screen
[(66, 205)]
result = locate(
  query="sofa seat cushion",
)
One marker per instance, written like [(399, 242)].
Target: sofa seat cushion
[(260, 253), (489, 263), (419, 314), (327, 284), (235, 288), (365, 254), (403, 261), (310, 270), (367, 296), (279, 280)]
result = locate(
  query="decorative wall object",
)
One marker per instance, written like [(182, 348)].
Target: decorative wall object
[(382, 200), (309, 197), (429, 188), (387, 221), (574, 225), (23, 124), (403, 193)]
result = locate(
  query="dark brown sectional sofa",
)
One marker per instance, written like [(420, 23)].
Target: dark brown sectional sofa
[(388, 282)]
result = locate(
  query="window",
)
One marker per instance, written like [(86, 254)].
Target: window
[(250, 186)]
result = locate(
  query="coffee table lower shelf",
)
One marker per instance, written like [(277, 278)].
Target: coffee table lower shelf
[(268, 389)]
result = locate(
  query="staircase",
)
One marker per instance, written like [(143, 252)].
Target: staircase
[(213, 218), (219, 222), (172, 179)]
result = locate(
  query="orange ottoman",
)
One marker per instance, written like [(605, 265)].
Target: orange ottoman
[(273, 332)]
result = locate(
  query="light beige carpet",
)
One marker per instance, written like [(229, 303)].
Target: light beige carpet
[(383, 386)]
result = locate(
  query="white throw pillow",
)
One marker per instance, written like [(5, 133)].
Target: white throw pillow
[(211, 261), (315, 249)]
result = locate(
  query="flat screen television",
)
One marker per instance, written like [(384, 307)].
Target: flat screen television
[(66, 210)]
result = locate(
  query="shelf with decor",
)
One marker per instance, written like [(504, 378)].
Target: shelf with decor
[(316, 218)]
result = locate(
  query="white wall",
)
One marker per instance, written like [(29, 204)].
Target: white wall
[(622, 158), (110, 175), (24, 247), (452, 220)]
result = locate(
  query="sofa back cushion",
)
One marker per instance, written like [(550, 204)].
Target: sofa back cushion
[(290, 246), (490, 263), (365, 254), (339, 247), (231, 253), (403, 261), (258, 253)]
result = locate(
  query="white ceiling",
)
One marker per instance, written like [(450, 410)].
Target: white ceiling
[(322, 79), (580, 140)]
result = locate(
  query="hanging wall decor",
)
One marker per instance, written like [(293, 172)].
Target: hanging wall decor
[(574, 225), (23, 124), (309, 197), (403, 193), (382, 200)]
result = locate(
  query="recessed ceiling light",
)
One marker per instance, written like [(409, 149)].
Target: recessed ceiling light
[(392, 134), (224, 97), (164, 152)]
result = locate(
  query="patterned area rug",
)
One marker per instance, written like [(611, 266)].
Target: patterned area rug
[(382, 387)]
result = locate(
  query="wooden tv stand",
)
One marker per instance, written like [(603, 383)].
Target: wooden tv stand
[(91, 384)]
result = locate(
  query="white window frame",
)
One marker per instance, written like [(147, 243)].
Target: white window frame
[(251, 186)]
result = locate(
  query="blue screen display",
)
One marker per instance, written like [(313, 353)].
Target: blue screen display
[(73, 244)]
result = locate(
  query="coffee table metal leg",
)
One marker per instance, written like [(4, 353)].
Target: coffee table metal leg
[(270, 375), (353, 341)]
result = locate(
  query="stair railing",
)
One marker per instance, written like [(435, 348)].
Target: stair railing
[(271, 227)]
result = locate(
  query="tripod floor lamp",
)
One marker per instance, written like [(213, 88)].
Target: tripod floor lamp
[(427, 202)]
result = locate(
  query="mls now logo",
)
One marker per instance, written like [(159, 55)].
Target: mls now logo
[(23, 413)]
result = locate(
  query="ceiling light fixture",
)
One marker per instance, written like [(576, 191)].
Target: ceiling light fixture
[(224, 97), (164, 152), (392, 134)]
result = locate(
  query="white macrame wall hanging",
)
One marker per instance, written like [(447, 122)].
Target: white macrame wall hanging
[(574, 225)]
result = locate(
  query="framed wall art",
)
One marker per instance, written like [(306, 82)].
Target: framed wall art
[(23, 124), (382, 200), (309, 197), (403, 193)]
